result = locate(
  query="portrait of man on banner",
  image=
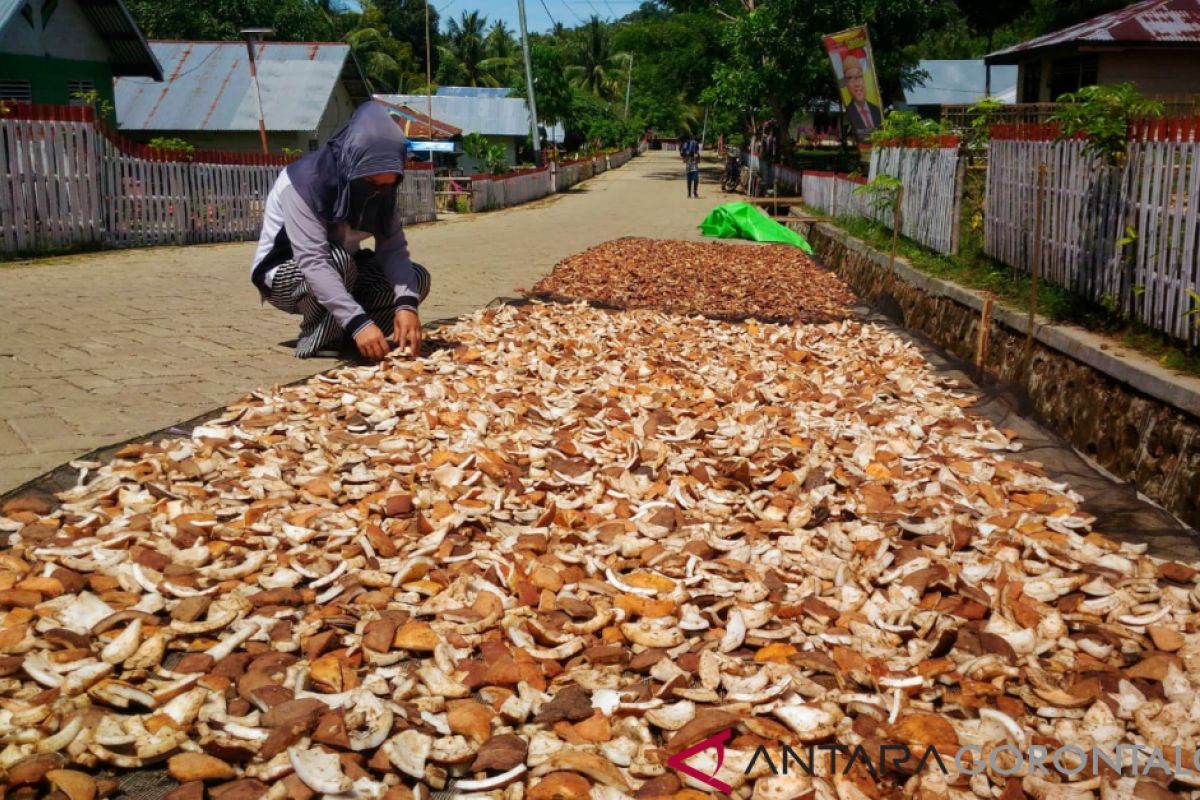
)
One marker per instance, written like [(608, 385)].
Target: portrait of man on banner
[(854, 68)]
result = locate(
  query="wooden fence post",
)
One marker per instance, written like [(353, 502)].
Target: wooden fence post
[(960, 174), (985, 329), (1036, 266), (895, 232)]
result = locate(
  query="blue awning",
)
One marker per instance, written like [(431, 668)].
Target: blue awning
[(431, 147)]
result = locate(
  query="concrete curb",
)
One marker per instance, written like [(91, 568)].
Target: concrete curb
[(1133, 369)]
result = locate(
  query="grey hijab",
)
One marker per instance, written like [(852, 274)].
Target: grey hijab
[(331, 179)]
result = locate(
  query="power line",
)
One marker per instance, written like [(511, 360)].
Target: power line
[(177, 75), (573, 11), (546, 8)]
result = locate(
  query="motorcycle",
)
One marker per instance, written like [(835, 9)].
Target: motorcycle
[(732, 178)]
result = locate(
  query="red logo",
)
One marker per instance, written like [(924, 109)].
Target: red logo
[(678, 760)]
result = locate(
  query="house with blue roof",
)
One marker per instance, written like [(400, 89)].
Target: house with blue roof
[(491, 112)]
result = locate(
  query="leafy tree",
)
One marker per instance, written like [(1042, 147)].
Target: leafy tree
[(670, 53), (464, 52), (551, 89), (777, 63), (221, 20), (985, 18), (596, 67), (1053, 15), (388, 63), (504, 54), (406, 22)]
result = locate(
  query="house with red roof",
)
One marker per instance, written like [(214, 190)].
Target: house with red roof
[(1153, 44)]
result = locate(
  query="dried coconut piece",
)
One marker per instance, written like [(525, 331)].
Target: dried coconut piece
[(731, 473)]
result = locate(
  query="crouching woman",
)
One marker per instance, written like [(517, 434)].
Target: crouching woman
[(309, 261)]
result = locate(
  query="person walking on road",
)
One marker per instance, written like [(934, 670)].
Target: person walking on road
[(309, 261), (690, 153)]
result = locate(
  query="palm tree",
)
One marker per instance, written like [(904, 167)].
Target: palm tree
[(597, 68), (464, 55), (504, 54), (387, 63)]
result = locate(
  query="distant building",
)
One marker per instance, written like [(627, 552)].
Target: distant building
[(53, 49), (1154, 44), (428, 139), (956, 83), (309, 90), (490, 112)]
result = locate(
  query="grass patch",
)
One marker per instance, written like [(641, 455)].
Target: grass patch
[(974, 270)]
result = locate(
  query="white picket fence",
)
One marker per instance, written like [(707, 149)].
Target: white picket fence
[(835, 195), (66, 180), (931, 200), (932, 178), (1125, 236)]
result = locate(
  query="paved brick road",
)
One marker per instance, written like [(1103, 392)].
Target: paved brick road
[(97, 349)]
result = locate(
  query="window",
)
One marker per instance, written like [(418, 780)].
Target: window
[(1031, 82), (1068, 74), (76, 88), (20, 91), (312, 145)]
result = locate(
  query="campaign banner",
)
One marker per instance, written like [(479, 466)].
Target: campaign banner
[(850, 53)]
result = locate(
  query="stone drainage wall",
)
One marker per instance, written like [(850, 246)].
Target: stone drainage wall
[(1137, 420)]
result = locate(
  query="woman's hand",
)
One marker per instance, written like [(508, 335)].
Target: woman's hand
[(372, 343), (407, 331)]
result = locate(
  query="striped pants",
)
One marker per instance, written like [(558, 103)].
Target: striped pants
[(365, 281)]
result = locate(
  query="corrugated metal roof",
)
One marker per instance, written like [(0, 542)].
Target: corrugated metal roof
[(113, 23), (490, 116), (1158, 21), (473, 91), (416, 124), (953, 82), (207, 87)]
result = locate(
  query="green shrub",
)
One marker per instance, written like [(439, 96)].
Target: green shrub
[(174, 145), (483, 151), (906, 127), (1102, 115)]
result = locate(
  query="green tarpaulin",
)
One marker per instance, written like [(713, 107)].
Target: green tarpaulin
[(744, 221)]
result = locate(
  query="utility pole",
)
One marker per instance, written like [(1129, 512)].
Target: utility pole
[(428, 74), (628, 83), (533, 118), (251, 35)]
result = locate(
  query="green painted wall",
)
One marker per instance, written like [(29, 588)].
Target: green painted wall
[(48, 77)]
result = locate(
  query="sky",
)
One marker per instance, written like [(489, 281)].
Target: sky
[(540, 15)]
